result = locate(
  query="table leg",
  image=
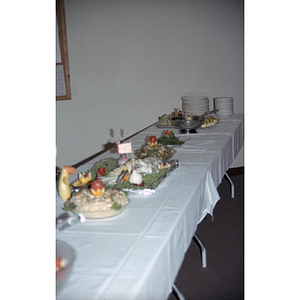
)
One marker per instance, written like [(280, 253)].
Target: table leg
[(202, 248), (177, 293), (231, 183)]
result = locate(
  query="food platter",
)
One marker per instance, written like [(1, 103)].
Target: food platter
[(150, 184), (168, 138), (99, 214), (165, 121), (152, 176), (109, 204), (209, 122), (161, 151)]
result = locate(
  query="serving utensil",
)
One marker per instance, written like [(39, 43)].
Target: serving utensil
[(209, 113), (68, 219)]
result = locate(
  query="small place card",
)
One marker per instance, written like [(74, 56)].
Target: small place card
[(125, 148)]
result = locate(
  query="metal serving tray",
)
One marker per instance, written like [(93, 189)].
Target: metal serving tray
[(174, 164)]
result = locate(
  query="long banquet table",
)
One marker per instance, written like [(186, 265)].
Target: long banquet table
[(138, 253)]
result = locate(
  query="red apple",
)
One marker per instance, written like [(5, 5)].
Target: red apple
[(97, 184), (101, 171)]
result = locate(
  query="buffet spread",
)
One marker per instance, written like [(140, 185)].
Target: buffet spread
[(141, 206)]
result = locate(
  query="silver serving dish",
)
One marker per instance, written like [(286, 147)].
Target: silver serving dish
[(174, 164), (189, 126)]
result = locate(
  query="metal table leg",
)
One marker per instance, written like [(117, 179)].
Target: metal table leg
[(202, 248), (177, 293), (231, 183)]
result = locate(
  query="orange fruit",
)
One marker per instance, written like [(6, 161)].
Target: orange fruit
[(96, 193), (126, 177)]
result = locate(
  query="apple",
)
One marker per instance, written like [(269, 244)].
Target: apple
[(97, 184), (101, 171)]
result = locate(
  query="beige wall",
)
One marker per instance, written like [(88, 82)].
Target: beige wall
[(131, 60)]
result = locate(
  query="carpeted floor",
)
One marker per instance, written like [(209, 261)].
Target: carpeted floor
[(223, 238)]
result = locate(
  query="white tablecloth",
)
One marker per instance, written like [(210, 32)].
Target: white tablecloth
[(137, 254)]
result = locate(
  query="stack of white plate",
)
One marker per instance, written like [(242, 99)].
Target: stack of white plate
[(224, 105), (195, 104)]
